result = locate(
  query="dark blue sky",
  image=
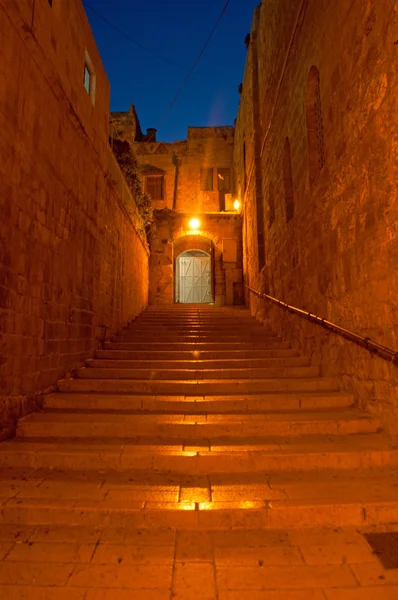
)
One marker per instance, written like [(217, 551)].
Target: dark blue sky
[(175, 30)]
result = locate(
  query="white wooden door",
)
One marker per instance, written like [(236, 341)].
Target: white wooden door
[(195, 279)]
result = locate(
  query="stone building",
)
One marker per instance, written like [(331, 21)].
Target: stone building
[(315, 160), (190, 179)]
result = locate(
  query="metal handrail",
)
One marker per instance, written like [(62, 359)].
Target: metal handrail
[(365, 342)]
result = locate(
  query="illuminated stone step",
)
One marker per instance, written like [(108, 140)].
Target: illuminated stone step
[(208, 428), (159, 335), (188, 355), (200, 365), (177, 322), (197, 346), (198, 405), (171, 327), (94, 372), (197, 388), (354, 512), (246, 363), (306, 453)]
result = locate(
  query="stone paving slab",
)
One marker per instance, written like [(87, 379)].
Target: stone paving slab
[(52, 562)]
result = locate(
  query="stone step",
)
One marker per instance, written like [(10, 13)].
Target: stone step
[(94, 372), (161, 336), (214, 434), (198, 315), (189, 355), (219, 321), (198, 346), (117, 502), (171, 324), (199, 365), (353, 510), (308, 453), (190, 429), (197, 405), (179, 326), (207, 309), (197, 388)]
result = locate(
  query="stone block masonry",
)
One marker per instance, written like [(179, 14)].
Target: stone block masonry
[(73, 264), (320, 100)]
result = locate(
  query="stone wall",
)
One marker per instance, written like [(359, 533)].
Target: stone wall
[(207, 147), (73, 265), (327, 131)]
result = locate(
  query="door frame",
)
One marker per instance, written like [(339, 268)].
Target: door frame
[(177, 275)]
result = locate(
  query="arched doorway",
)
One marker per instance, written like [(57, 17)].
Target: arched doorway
[(193, 277)]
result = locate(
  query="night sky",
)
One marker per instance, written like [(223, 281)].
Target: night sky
[(174, 30)]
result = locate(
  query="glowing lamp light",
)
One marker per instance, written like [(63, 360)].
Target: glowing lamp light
[(236, 205), (194, 224)]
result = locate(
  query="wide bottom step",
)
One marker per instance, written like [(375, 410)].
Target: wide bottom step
[(248, 501), (306, 453)]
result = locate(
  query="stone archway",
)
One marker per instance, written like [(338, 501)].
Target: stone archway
[(208, 245), (219, 237)]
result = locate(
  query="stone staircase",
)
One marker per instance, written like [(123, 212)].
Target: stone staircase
[(195, 417)]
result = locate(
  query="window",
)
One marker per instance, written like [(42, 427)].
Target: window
[(224, 180), (206, 179), (155, 186), (260, 230), (271, 204), (244, 167), (288, 181), (89, 79), (315, 141)]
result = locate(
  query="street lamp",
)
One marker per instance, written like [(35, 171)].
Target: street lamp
[(194, 224)]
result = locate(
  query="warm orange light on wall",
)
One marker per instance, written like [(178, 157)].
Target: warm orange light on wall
[(194, 224), (236, 205)]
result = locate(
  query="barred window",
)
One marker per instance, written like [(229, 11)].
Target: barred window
[(154, 186), (89, 78), (271, 204), (315, 138), (206, 179), (288, 181)]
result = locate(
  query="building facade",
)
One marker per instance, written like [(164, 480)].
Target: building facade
[(196, 240)]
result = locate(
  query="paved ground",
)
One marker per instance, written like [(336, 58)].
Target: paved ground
[(80, 563)]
